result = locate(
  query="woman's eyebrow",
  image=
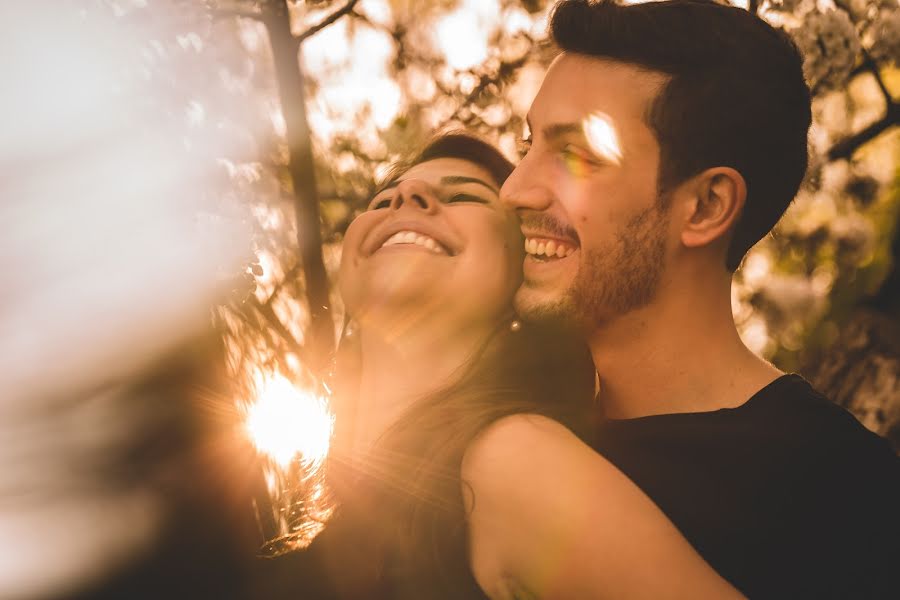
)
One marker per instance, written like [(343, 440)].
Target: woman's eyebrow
[(390, 184), (458, 179), (446, 180)]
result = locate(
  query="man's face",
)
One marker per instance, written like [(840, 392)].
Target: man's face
[(586, 191)]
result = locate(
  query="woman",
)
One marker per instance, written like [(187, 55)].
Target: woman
[(455, 475)]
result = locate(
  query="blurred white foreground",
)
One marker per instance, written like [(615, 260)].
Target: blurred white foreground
[(110, 258)]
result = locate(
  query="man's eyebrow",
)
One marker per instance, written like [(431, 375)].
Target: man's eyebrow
[(558, 130), (458, 179)]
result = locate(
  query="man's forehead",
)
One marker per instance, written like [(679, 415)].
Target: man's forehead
[(597, 67), (577, 85)]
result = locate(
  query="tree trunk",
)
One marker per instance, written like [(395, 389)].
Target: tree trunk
[(285, 53)]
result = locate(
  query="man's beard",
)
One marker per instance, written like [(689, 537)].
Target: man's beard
[(613, 279)]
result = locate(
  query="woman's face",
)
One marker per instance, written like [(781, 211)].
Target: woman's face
[(435, 242)]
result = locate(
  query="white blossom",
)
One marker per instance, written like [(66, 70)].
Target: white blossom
[(830, 46), (859, 10), (886, 32), (786, 6)]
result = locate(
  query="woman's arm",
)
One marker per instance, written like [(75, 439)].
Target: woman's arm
[(550, 518)]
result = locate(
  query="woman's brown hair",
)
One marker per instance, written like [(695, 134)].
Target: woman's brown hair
[(407, 508)]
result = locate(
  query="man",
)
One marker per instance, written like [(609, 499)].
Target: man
[(668, 138)]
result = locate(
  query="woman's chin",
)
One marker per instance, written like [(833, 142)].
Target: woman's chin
[(389, 298)]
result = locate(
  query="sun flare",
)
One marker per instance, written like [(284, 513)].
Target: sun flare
[(285, 422), (601, 134)]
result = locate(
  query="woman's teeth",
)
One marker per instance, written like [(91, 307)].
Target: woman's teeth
[(547, 248), (419, 239)]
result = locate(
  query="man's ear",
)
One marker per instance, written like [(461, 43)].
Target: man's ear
[(716, 199)]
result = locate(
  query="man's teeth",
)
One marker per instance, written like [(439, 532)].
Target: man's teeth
[(548, 248), (413, 237)]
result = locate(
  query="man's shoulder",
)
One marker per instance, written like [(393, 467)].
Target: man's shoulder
[(793, 408), (787, 428), (804, 445), (773, 491)]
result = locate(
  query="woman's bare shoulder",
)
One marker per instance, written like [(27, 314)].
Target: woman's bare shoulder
[(550, 516), (526, 480), (523, 444)]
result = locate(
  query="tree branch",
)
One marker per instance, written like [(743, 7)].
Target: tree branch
[(268, 315), (292, 272), (485, 81), (846, 147), (872, 67), (327, 21), (262, 319)]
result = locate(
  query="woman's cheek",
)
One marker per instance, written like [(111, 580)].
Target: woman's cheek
[(356, 234), (514, 243)]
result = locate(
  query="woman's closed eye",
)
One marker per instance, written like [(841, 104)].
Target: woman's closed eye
[(377, 203), (385, 201), (466, 198)]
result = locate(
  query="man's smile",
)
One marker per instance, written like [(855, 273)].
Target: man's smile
[(548, 248)]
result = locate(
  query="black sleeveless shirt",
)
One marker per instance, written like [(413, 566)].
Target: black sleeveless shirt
[(786, 496)]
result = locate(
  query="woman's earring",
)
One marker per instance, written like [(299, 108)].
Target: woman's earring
[(515, 325)]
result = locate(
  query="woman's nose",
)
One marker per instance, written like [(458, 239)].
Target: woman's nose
[(415, 195)]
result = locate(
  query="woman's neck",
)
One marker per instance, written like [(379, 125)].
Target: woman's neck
[(397, 370)]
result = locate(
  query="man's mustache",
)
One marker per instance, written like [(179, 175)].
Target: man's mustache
[(547, 224)]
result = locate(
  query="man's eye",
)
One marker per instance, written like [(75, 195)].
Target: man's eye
[(466, 198), (523, 145), (575, 161)]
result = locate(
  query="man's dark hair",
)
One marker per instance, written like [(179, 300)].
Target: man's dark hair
[(736, 96)]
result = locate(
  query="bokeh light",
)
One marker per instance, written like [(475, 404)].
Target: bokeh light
[(285, 422), (462, 34)]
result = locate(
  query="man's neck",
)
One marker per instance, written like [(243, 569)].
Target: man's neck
[(680, 354)]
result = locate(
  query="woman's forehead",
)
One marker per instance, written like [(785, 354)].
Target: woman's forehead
[(448, 171)]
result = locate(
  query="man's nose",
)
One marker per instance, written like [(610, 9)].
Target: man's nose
[(415, 195), (526, 188)]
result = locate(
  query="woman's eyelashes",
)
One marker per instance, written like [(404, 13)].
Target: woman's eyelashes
[(385, 202), (379, 203), (466, 198)]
